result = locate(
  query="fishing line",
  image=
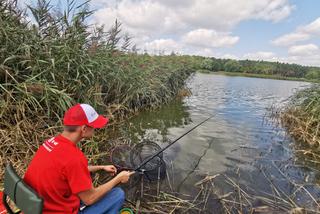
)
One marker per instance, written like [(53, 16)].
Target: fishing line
[(146, 157), (144, 162), (196, 165)]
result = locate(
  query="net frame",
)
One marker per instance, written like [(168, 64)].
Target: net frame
[(151, 170), (137, 150), (123, 150)]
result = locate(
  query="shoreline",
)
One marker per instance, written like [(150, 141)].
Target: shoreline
[(262, 76)]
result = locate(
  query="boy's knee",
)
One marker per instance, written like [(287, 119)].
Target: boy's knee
[(119, 193)]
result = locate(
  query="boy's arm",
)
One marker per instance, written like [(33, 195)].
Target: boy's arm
[(94, 168), (109, 168), (92, 195)]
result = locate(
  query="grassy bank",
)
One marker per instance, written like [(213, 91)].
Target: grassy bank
[(59, 60), (264, 76), (302, 117)]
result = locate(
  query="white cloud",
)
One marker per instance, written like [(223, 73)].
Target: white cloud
[(302, 54), (306, 54), (176, 3), (312, 28), (229, 56), (104, 3), (194, 26), (162, 45), (310, 60), (275, 10), (302, 33), (290, 39), (207, 52), (225, 14), (200, 26), (303, 50), (23, 3), (209, 38), (261, 55), (170, 15), (139, 16)]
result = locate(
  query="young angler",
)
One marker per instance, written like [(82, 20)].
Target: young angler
[(60, 174)]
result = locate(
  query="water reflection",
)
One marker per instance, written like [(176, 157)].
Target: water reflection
[(155, 124)]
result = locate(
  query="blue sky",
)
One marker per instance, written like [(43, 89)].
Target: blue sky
[(274, 30), (256, 34)]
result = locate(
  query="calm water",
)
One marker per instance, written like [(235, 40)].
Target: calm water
[(238, 142)]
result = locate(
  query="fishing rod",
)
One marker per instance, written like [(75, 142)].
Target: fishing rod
[(161, 150)]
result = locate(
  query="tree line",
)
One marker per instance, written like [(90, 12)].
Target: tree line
[(261, 67)]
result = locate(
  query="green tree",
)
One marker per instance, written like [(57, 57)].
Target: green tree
[(232, 66), (313, 74), (207, 64)]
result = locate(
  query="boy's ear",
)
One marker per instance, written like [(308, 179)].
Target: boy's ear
[(83, 128)]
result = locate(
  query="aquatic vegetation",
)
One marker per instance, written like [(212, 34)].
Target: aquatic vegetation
[(301, 117)]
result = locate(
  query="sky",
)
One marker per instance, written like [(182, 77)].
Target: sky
[(272, 30)]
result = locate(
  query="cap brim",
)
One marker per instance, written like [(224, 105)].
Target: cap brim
[(100, 122)]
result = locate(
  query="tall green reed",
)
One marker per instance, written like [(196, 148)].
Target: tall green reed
[(57, 60)]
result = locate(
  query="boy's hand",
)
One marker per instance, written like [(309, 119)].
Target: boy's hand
[(110, 168), (124, 176)]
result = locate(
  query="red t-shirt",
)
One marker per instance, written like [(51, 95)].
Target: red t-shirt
[(2, 207), (57, 172)]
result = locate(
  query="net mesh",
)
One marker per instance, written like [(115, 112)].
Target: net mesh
[(126, 157), (120, 157), (143, 151)]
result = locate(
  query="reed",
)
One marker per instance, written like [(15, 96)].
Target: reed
[(302, 116), (58, 60)]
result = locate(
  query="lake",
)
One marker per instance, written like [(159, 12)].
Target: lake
[(241, 145)]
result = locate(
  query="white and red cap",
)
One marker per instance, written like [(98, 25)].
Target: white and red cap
[(84, 114)]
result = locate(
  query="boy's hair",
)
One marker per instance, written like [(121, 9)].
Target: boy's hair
[(70, 128)]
